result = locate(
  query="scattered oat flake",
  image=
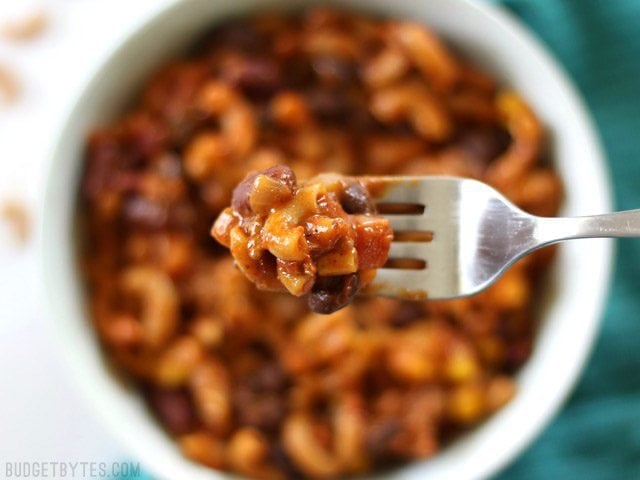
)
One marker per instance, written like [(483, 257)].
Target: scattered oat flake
[(9, 85), (15, 216), (25, 27)]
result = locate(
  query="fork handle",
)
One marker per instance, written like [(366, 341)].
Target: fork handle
[(618, 224)]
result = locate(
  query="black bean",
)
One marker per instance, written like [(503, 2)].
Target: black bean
[(283, 174), (173, 408), (168, 165), (379, 435), (357, 200), (182, 215), (145, 137), (142, 212), (238, 36), (299, 73), (264, 115), (270, 377), (330, 294), (125, 181), (104, 157), (255, 76), (267, 262), (185, 126), (240, 195), (483, 143), (328, 105), (333, 70), (264, 411), (518, 352), (281, 460), (408, 313), (361, 121)]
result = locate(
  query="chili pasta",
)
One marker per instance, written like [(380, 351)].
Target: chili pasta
[(254, 382)]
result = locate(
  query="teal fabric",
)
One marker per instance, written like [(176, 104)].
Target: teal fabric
[(597, 434)]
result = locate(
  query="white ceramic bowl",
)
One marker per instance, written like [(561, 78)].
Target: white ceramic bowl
[(573, 298)]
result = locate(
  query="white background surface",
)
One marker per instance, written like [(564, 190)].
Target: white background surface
[(41, 416)]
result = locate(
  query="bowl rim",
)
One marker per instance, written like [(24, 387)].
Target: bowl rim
[(493, 12)]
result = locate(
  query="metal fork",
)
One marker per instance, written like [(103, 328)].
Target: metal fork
[(461, 235)]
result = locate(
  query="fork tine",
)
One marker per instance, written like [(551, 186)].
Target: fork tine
[(420, 250), (465, 231), (401, 190), (439, 279), (411, 223), (400, 283), (426, 191)]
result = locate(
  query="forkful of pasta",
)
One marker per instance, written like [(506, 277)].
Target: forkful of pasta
[(332, 237)]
